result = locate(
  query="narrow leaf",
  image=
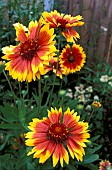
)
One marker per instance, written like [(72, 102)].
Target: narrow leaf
[(90, 158), (95, 138), (10, 126), (91, 166), (6, 139), (71, 167), (96, 148)]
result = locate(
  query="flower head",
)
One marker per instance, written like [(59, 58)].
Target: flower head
[(27, 59), (72, 59), (69, 93), (89, 89), (2, 65), (62, 92), (64, 22), (104, 78), (110, 83), (80, 89), (54, 65), (80, 107), (105, 165), (96, 104), (88, 107), (52, 136), (96, 97)]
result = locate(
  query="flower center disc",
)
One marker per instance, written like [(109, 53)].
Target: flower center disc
[(28, 49), (61, 22), (71, 58), (58, 133)]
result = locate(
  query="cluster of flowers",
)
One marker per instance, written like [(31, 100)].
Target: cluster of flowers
[(107, 79), (84, 94), (36, 55)]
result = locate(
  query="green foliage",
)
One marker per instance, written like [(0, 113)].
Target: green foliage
[(15, 116), (13, 11)]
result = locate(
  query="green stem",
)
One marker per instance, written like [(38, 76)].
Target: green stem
[(43, 91), (59, 40), (27, 86), (52, 91), (91, 116), (40, 96), (9, 86), (61, 84), (62, 101), (20, 90)]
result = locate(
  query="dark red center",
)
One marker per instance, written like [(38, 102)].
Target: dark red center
[(70, 57), (28, 49), (62, 23), (58, 133)]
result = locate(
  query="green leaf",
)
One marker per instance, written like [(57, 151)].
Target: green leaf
[(54, 83), (99, 116), (24, 93), (35, 97), (29, 166), (65, 79), (96, 148), (9, 112), (90, 158), (71, 103), (46, 166), (91, 166), (95, 138), (71, 167), (8, 162), (47, 101), (10, 126), (21, 161), (22, 110), (6, 139), (89, 69)]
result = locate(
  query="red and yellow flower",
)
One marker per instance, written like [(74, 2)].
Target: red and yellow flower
[(72, 59), (56, 135), (54, 66), (64, 22), (104, 165), (27, 59), (96, 104)]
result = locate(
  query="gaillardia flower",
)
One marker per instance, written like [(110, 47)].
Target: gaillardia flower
[(56, 135), (72, 59), (27, 59), (105, 165), (54, 65), (96, 104), (64, 22)]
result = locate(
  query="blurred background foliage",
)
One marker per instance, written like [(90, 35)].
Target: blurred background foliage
[(12, 11)]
